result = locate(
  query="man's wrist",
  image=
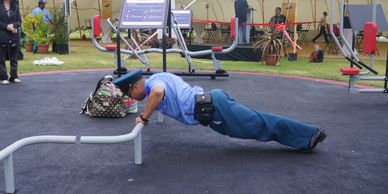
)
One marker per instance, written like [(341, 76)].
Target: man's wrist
[(143, 118)]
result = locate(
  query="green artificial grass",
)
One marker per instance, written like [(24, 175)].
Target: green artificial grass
[(85, 56)]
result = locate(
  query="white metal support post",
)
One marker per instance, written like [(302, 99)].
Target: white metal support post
[(9, 175), (137, 149)]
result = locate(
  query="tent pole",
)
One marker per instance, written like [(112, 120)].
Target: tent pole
[(99, 7), (22, 2), (190, 4), (79, 23), (54, 3), (315, 14), (262, 9), (296, 19)]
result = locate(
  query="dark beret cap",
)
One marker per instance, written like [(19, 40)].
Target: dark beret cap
[(127, 80)]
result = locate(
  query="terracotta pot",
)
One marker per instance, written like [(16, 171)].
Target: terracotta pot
[(43, 48), (272, 60), (29, 46)]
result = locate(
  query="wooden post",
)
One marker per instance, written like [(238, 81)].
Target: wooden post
[(79, 22), (54, 4)]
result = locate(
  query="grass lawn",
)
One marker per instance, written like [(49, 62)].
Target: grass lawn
[(85, 56)]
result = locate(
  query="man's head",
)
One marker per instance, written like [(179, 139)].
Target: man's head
[(41, 4), (278, 11), (132, 84), (325, 13), (137, 90)]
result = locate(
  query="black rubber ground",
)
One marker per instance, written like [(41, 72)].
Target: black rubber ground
[(195, 159)]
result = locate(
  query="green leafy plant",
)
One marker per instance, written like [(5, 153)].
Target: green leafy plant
[(42, 30), (60, 32), (270, 43), (22, 40), (28, 27)]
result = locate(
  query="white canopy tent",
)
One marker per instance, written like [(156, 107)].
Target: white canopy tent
[(308, 10)]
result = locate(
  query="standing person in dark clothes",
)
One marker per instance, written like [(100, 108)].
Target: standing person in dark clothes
[(322, 30), (278, 18), (241, 9), (9, 39)]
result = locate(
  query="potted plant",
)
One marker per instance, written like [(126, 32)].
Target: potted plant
[(22, 45), (60, 36), (270, 46), (28, 30), (42, 34)]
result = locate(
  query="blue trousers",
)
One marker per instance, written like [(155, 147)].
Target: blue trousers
[(235, 120)]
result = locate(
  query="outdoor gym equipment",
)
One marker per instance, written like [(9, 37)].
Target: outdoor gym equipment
[(7, 154), (154, 15), (370, 24), (142, 57), (96, 25)]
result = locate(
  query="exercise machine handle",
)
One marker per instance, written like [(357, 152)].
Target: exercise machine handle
[(361, 64), (368, 67)]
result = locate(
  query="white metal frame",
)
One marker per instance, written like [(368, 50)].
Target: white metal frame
[(362, 76), (7, 154), (173, 50)]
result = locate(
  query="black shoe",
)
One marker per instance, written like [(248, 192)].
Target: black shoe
[(318, 137), (220, 71), (123, 71), (313, 41)]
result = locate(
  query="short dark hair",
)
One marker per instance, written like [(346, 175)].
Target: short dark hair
[(325, 12), (279, 8)]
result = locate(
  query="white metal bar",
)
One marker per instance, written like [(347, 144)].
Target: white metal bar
[(7, 153), (333, 36), (371, 90), (190, 53), (35, 140), (181, 41), (112, 139), (343, 38), (138, 150), (125, 41), (374, 10), (9, 175), (372, 78), (160, 117)]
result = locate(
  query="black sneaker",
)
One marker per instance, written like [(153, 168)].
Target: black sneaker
[(123, 71), (220, 71), (318, 137)]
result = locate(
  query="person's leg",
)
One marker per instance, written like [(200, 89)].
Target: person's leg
[(244, 33), (240, 35), (3, 67), (318, 35), (235, 120), (323, 31), (13, 57), (35, 47)]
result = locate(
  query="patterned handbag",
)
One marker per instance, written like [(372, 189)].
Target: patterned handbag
[(106, 101)]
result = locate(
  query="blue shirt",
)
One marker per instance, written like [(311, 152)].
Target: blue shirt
[(179, 97), (38, 10)]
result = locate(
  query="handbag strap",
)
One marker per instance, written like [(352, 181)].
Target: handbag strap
[(104, 80)]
